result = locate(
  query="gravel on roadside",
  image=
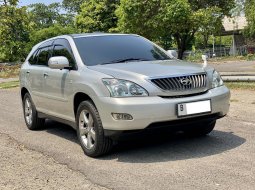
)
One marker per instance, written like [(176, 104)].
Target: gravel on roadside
[(22, 168)]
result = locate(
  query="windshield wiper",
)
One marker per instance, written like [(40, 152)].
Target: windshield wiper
[(124, 60)]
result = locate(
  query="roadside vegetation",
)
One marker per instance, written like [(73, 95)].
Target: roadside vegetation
[(162, 21), (6, 85), (241, 85), (9, 71)]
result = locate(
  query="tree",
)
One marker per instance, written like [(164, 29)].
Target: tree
[(73, 6), (97, 15), (250, 16), (239, 8), (210, 23), (178, 18), (9, 2), (139, 17), (14, 30), (37, 36), (45, 16)]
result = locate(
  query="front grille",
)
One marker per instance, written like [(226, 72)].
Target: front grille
[(182, 83)]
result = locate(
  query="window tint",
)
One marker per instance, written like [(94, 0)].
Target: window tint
[(43, 56), (96, 50), (60, 50)]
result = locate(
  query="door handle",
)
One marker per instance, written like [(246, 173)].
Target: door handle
[(28, 72), (45, 75)]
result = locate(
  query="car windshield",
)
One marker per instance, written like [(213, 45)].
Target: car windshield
[(113, 49)]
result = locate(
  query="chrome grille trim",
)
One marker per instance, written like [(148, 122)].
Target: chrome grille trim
[(181, 83)]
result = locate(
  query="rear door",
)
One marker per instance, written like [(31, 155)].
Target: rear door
[(38, 67)]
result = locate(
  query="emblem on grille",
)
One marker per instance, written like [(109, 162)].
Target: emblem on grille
[(185, 81)]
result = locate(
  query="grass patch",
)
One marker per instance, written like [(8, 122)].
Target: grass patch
[(234, 100), (9, 71), (12, 84), (241, 85)]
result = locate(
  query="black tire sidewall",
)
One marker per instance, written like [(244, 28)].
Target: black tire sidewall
[(87, 105), (37, 123), (27, 96)]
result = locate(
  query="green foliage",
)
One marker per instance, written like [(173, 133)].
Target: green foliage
[(9, 2), (210, 23), (140, 17), (250, 57), (44, 16), (14, 31), (37, 36), (96, 15), (224, 41), (167, 22), (73, 6), (178, 18), (239, 8), (195, 57), (250, 16), (241, 85), (226, 6)]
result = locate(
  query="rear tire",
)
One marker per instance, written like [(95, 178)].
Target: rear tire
[(90, 131), (32, 120), (201, 129)]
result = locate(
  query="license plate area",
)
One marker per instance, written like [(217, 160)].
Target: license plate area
[(194, 108)]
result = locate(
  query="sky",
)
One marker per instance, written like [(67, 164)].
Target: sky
[(28, 2)]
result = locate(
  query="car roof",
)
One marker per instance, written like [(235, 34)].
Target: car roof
[(97, 34)]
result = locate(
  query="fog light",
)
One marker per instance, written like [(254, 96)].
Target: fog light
[(122, 116)]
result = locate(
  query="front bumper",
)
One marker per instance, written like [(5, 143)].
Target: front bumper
[(149, 110)]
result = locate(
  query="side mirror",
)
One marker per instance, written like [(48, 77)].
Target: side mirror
[(172, 53), (58, 62)]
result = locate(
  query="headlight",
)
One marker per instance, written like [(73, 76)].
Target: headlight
[(123, 88), (217, 80)]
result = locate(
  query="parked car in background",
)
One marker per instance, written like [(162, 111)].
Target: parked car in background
[(106, 84)]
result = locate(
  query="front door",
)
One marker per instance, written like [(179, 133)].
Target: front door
[(58, 83)]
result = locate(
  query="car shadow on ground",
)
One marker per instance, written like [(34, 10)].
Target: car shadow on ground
[(160, 145)]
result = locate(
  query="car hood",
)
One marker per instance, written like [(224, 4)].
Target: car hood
[(149, 69)]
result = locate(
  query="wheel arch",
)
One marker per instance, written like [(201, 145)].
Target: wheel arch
[(78, 98), (23, 92)]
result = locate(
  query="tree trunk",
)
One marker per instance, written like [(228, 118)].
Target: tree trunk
[(182, 43), (206, 37), (181, 51)]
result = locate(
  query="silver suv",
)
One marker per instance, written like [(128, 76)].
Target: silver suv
[(106, 84)]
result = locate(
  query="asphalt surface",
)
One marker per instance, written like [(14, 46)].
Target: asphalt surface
[(223, 160), (234, 66)]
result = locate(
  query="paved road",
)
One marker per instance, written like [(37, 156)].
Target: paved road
[(234, 66), (223, 160)]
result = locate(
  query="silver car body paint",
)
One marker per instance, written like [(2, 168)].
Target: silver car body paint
[(53, 94)]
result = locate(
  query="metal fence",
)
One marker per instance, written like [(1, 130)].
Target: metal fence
[(222, 51)]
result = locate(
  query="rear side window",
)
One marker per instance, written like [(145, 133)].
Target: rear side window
[(43, 56)]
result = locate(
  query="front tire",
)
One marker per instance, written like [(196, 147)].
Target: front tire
[(90, 131), (32, 120)]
